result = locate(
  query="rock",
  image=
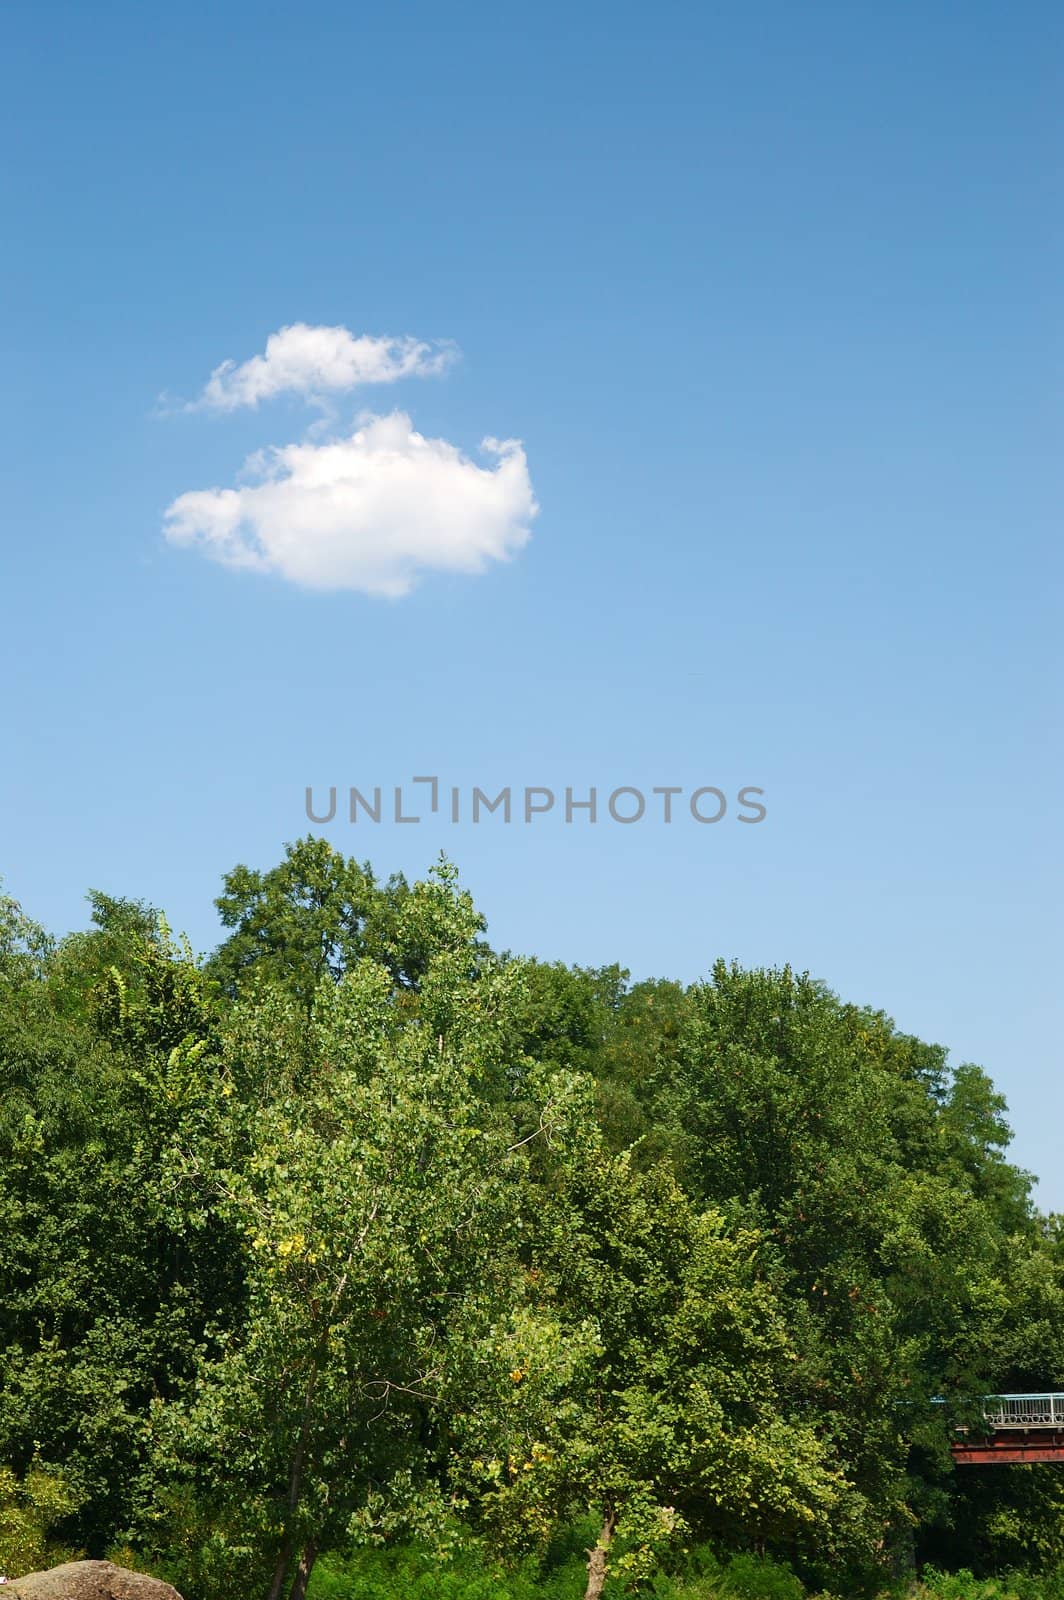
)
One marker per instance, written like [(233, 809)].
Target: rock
[(88, 1580)]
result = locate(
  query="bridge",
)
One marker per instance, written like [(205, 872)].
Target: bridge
[(1019, 1427)]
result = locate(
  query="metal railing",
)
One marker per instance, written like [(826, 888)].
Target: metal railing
[(1025, 1410)]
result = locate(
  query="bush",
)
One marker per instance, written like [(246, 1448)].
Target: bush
[(708, 1576), (759, 1578), (412, 1573), (190, 1544), (935, 1585), (29, 1510)]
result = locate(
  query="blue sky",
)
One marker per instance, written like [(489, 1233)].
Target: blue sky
[(771, 296)]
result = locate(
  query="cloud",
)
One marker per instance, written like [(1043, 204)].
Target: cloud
[(316, 361), (371, 512)]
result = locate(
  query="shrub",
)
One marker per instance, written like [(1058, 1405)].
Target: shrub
[(29, 1510)]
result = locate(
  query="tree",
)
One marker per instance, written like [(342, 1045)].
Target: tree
[(626, 1036), (643, 1378), (893, 1223), (312, 917), (377, 1198), (113, 1273), (297, 923), (728, 1244)]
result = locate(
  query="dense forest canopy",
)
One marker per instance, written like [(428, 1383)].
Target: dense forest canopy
[(360, 1231)]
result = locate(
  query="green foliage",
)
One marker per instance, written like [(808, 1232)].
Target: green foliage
[(190, 1539), (642, 1379), (905, 1251), (375, 1199), (964, 1585), (472, 1574), (316, 914), (296, 924), (412, 1571), (419, 1574), (30, 1508), (113, 1273), (359, 1237), (744, 1576)]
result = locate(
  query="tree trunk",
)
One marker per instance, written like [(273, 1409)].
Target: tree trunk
[(304, 1570), (280, 1571), (295, 1489), (598, 1557)]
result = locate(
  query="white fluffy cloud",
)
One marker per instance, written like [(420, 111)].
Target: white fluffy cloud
[(372, 511), (316, 361)]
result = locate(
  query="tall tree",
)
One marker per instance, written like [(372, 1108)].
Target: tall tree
[(297, 923), (312, 917), (378, 1195), (113, 1272), (644, 1378)]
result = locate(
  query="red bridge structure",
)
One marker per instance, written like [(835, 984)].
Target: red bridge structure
[(1019, 1427)]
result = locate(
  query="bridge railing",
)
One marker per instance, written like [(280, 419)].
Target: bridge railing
[(1025, 1410)]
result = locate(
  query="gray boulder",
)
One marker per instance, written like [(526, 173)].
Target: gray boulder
[(88, 1580)]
